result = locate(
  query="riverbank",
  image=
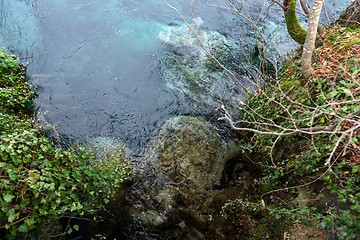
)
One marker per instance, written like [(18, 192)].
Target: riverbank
[(303, 136), (42, 183), (273, 186)]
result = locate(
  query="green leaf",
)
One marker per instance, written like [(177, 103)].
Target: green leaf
[(25, 202), (76, 227), (13, 176), (347, 92), (30, 222), (23, 228), (355, 70), (11, 215), (326, 178), (43, 210), (8, 197)]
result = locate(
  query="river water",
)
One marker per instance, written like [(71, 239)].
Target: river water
[(98, 65)]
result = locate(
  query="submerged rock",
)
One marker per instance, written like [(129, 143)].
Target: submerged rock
[(189, 36), (191, 72)]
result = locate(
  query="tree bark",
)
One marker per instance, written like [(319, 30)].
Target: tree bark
[(296, 31), (309, 44), (306, 10)]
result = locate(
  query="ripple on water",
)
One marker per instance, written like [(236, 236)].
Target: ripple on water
[(98, 64)]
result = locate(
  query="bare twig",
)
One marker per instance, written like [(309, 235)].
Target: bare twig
[(281, 5), (286, 131), (302, 185)]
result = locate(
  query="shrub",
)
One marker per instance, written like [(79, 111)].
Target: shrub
[(15, 95), (313, 132), (41, 183)]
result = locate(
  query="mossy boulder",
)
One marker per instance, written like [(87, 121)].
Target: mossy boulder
[(190, 149), (179, 191)]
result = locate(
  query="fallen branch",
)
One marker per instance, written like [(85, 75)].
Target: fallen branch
[(285, 131)]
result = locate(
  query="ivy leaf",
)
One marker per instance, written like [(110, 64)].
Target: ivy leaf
[(8, 197), (13, 176), (348, 92), (23, 228), (25, 202), (30, 222), (76, 227), (11, 215)]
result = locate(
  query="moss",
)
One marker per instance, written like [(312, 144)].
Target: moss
[(296, 31), (224, 54), (192, 76), (188, 149)]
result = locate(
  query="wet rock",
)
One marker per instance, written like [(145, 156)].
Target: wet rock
[(180, 192), (106, 146), (189, 150), (151, 217)]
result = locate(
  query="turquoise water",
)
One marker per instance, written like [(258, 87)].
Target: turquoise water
[(98, 66)]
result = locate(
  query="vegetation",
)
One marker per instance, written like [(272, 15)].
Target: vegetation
[(15, 95), (41, 183), (307, 139)]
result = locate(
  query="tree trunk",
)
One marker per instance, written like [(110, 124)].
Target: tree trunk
[(306, 10), (296, 31), (309, 44)]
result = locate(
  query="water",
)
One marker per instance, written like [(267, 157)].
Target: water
[(98, 65)]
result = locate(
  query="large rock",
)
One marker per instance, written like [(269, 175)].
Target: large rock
[(188, 149), (179, 194)]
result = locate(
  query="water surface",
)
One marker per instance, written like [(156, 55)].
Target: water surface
[(97, 65)]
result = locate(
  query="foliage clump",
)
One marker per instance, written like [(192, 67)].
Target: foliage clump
[(309, 138), (15, 94), (39, 182)]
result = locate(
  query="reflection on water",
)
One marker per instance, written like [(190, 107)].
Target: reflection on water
[(97, 64)]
